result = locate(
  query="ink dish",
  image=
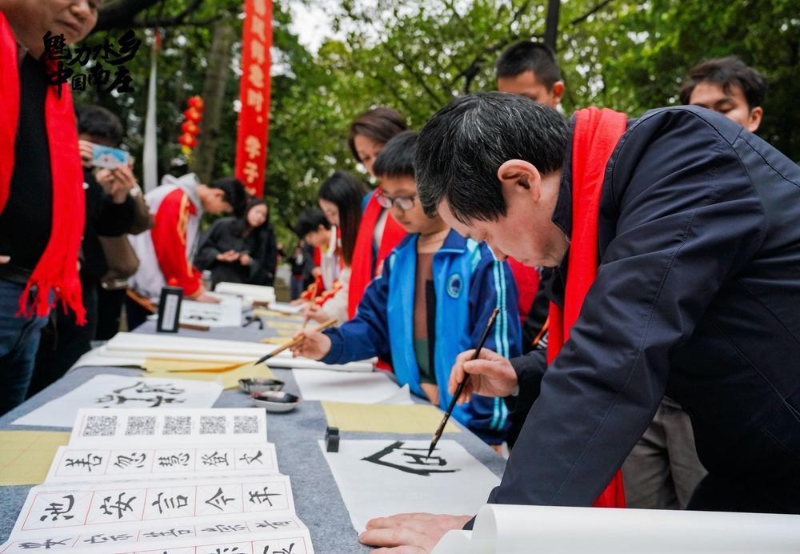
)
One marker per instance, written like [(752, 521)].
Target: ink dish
[(275, 401), (260, 385)]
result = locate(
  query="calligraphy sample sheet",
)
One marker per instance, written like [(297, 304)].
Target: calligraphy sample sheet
[(358, 388), (168, 481), (216, 539), (115, 391), (380, 478), (97, 464)]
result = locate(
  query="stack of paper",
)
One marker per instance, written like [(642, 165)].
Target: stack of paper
[(133, 349), (138, 480), (255, 293)]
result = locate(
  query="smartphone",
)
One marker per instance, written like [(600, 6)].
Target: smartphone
[(109, 158)]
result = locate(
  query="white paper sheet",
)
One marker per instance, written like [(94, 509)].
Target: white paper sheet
[(381, 478), (134, 348), (256, 292), (360, 388), (116, 391), (152, 515), (522, 529), (90, 465), (228, 313), (118, 506), (99, 428)]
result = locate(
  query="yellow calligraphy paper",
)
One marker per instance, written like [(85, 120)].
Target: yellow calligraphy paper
[(385, 418), (228, 379), (25, 456), (166, 364)]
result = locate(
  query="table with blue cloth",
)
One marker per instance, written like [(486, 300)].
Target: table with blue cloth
[(295, 434)]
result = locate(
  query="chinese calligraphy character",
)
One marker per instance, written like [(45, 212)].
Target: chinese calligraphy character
[(176, 502), (252, 146), (215, 459), (168, 533), (255, 98), (261, 497), (89, 461), (250, 172), (57, 509), (102, 538), (409, 460), (122, 81), (135, 460), (272, 524), (181, 459), (226, 528), (219, 501), (49, 543), (256, 76), (250, 459), (119, 505), (55, 46)]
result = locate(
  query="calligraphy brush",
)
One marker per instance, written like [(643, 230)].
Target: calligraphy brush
[(295, 341), (438, 434)]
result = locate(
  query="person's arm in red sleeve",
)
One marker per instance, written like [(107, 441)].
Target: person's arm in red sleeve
[(169, 241)]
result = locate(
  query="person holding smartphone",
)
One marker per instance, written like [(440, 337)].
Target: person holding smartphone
[(110, 211)]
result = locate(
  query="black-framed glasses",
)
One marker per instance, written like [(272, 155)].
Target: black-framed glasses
[(402, 202)]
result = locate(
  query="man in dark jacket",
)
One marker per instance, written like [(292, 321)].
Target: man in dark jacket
[(696, 295)]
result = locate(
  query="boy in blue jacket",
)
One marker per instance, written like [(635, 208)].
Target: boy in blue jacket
[(432, 301)]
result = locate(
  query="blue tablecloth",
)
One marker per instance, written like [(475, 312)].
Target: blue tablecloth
[(295, 434)]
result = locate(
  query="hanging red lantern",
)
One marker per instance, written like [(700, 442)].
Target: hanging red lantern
[(192, 114), (190, 127), (197, 103), (187, 140)]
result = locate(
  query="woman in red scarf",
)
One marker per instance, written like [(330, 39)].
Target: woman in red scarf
[(41, 192), (378, 233)]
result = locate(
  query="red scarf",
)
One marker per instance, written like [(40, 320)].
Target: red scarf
[(361, 273), (596, 134), (57, 269)]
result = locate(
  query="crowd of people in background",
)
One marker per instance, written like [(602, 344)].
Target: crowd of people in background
[(479, 212)]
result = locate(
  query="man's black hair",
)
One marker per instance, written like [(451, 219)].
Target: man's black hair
[(727, 72), (529, 56), (99, 123), (397, 157), (463, 145), (309, 221), (234, 193)]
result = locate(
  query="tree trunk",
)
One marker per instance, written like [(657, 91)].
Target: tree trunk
[(219, 62)]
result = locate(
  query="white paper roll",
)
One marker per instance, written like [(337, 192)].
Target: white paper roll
[(510, 529)]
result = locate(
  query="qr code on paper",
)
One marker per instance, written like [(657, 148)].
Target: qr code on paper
[(177, 425), (100, 426), (212, 425), (245, 425), (141, 425)]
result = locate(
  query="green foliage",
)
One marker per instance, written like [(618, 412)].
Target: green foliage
[(416, 56)]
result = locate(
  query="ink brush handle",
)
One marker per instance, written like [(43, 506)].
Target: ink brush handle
[(460, 388), (297, 340)]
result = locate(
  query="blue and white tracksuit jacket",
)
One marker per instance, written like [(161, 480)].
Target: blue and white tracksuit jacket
[(469, 283)]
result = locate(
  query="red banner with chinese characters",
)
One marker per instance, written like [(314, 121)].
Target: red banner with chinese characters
[(254, 87)]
